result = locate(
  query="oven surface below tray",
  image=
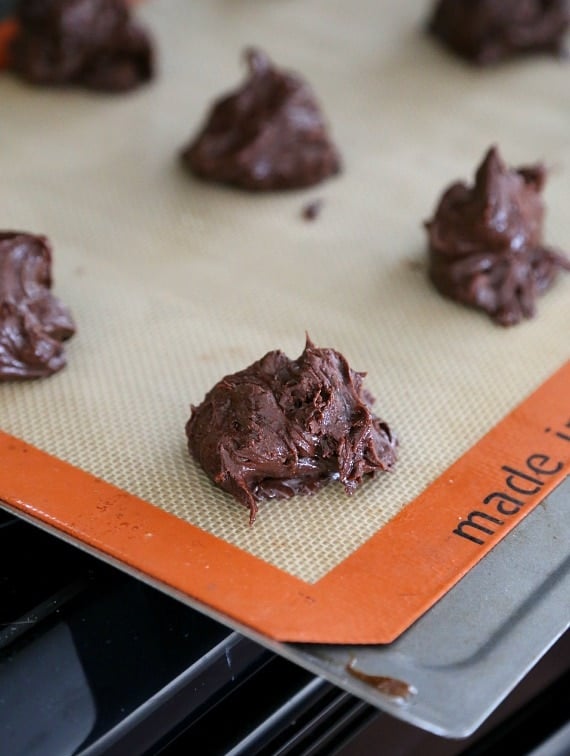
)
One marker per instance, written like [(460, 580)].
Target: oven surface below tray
[(83, 646)]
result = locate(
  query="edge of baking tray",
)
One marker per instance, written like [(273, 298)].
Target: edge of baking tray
[(466, 654)]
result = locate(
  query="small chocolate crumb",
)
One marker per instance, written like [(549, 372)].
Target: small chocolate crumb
[(389, 686), (312, 210)]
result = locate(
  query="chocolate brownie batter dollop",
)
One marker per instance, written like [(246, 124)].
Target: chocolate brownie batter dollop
[(33, 323), (91, 43), (489, 31), (269, 134), (485, 241), (283, 427)]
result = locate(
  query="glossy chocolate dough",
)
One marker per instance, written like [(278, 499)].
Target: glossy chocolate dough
[(283, 427), (269, 134), (91, 43), (488, 31), (33, 323), (485, 242)]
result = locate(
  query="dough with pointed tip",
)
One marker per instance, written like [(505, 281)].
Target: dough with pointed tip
[(270, 134), (485, 241)]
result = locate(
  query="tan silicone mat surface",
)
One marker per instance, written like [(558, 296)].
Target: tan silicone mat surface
[(175, 283)]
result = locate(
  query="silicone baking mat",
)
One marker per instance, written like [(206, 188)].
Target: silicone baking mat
[(175, 283)]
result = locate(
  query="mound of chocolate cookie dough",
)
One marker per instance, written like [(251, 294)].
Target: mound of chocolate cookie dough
[(485, 241), (488, 31), (33, 323), (269, 134), (91, 43), (283, 427)]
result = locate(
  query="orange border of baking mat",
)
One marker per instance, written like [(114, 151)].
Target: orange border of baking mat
[(370, 597)]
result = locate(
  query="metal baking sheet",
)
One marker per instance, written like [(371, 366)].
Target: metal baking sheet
[(468, 652), (465, 655), (478, 642)]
